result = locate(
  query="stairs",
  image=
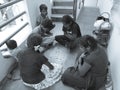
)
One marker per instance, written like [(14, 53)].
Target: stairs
[(61, 8)]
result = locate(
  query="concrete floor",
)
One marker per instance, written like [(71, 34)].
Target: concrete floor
[(86, 19), (60, 54), (90, 3)]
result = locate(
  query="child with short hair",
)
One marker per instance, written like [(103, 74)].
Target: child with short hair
[(7, 48), (11, 44), (71, 32), (35, 69), (43, 10), (44, 30), (12, 48)]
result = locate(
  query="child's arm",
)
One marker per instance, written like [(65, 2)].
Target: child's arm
[(4, 49), (38, 21), (71, 36), (46, 62), (51, 67), (84, 69)]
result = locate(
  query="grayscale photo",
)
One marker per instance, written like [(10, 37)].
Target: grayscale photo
[(59, 44)]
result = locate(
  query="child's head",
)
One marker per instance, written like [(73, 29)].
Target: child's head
[(11, 44), (33, 40), (67, 21), (47, 25), (88, 42), (43, 9)]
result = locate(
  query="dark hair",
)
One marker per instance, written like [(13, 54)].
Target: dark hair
[(34, 39), (102, 18), (43, 7), (67, 19), (11, 44), (47, 23), (88, 41)]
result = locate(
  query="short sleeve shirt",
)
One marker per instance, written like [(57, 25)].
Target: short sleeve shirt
[(40, 19), (30, 64), (74, 29)]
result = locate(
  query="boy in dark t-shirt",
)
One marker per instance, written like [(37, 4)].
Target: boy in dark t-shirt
[(31, 61), (71, 32)]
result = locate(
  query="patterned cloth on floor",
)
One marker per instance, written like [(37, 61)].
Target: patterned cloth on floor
[(51, 77)]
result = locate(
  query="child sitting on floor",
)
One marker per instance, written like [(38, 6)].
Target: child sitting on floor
[(36, 70), (71, 32), (44, 30), (43, 10)]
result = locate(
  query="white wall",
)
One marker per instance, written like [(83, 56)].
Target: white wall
[(105, 5), (90, 3), (114, 43), (114, 47), (18, 8), (28, 29), (79, 7), (114, 57), (33, 9)]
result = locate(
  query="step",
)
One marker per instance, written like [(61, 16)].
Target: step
[(62, 10), (62, 7), (63, 0), (58, 17), (63, 3)]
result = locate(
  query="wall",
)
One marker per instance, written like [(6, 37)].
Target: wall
[(33, 9), (27, 30), (10, 30), (90, 3), (79, 7), (18, 8), (114, 46), (114, 43), (105, 5)]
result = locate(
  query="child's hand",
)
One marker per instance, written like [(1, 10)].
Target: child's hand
[(52, 67), (36, 48), (41, 49), (82, 55)]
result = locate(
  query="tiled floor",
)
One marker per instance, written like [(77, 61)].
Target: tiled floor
[(60, 54)]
